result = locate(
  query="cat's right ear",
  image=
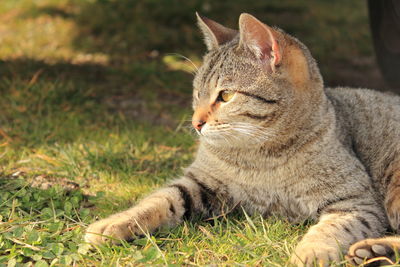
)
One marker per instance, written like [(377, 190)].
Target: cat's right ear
[(260, 39), (214, 33)]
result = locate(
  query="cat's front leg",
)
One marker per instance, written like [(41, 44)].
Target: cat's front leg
[(337, 229), (168, 206)]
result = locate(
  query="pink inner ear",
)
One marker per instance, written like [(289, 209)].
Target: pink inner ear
[(266, 52), (277, 53), (259, 38)]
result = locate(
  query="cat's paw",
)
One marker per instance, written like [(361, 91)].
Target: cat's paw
[(318, 254), (112, 230), (380, 251)]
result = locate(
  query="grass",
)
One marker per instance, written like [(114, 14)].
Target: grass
[(94, 96)]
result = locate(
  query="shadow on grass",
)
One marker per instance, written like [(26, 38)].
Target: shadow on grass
[(25, 68), (42, 101)]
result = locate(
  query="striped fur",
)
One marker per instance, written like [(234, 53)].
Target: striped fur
[(283, 145)]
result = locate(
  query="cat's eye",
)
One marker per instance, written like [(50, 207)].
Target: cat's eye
[(225, 95)]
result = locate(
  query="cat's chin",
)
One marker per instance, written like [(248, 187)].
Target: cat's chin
[(224, 142)]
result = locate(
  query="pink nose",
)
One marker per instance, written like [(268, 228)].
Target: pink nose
[(198, 124), (200, 117)]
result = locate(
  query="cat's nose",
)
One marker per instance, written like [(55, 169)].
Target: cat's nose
[(200, 117), (198, 124)]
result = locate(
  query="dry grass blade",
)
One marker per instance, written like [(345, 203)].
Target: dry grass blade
[(379, 259)]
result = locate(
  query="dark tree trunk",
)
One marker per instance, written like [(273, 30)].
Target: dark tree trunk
[(385, 26)]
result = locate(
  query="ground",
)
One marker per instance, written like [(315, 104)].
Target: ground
[(94, 114)]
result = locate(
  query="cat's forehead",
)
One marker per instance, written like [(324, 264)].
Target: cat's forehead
[(225, 67)]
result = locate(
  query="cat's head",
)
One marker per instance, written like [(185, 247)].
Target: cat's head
[(256, 85)]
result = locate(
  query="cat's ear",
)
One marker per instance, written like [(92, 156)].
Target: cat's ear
[(214, 33), (260, 39)]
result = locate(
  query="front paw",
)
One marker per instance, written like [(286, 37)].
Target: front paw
[(113, 230), (315, 254)]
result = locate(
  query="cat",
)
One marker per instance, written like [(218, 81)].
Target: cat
[(274, 141)]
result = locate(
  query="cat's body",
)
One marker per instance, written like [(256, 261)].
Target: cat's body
[(275, 142), (369, 127)]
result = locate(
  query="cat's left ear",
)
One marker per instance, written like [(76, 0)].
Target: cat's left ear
[(260, 39), (214, 33)]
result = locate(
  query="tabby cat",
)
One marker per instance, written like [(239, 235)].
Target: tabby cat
[(274, 141)]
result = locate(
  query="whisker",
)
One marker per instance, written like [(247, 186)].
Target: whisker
[(187, 59), (235, 132), (254, 131)]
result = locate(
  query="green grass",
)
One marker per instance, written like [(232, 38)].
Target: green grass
[(92, 92)]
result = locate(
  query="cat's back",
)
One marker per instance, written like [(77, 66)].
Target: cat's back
[(369, 125), (366, 108)]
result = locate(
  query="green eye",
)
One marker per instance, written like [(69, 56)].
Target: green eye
[(226, 95)]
